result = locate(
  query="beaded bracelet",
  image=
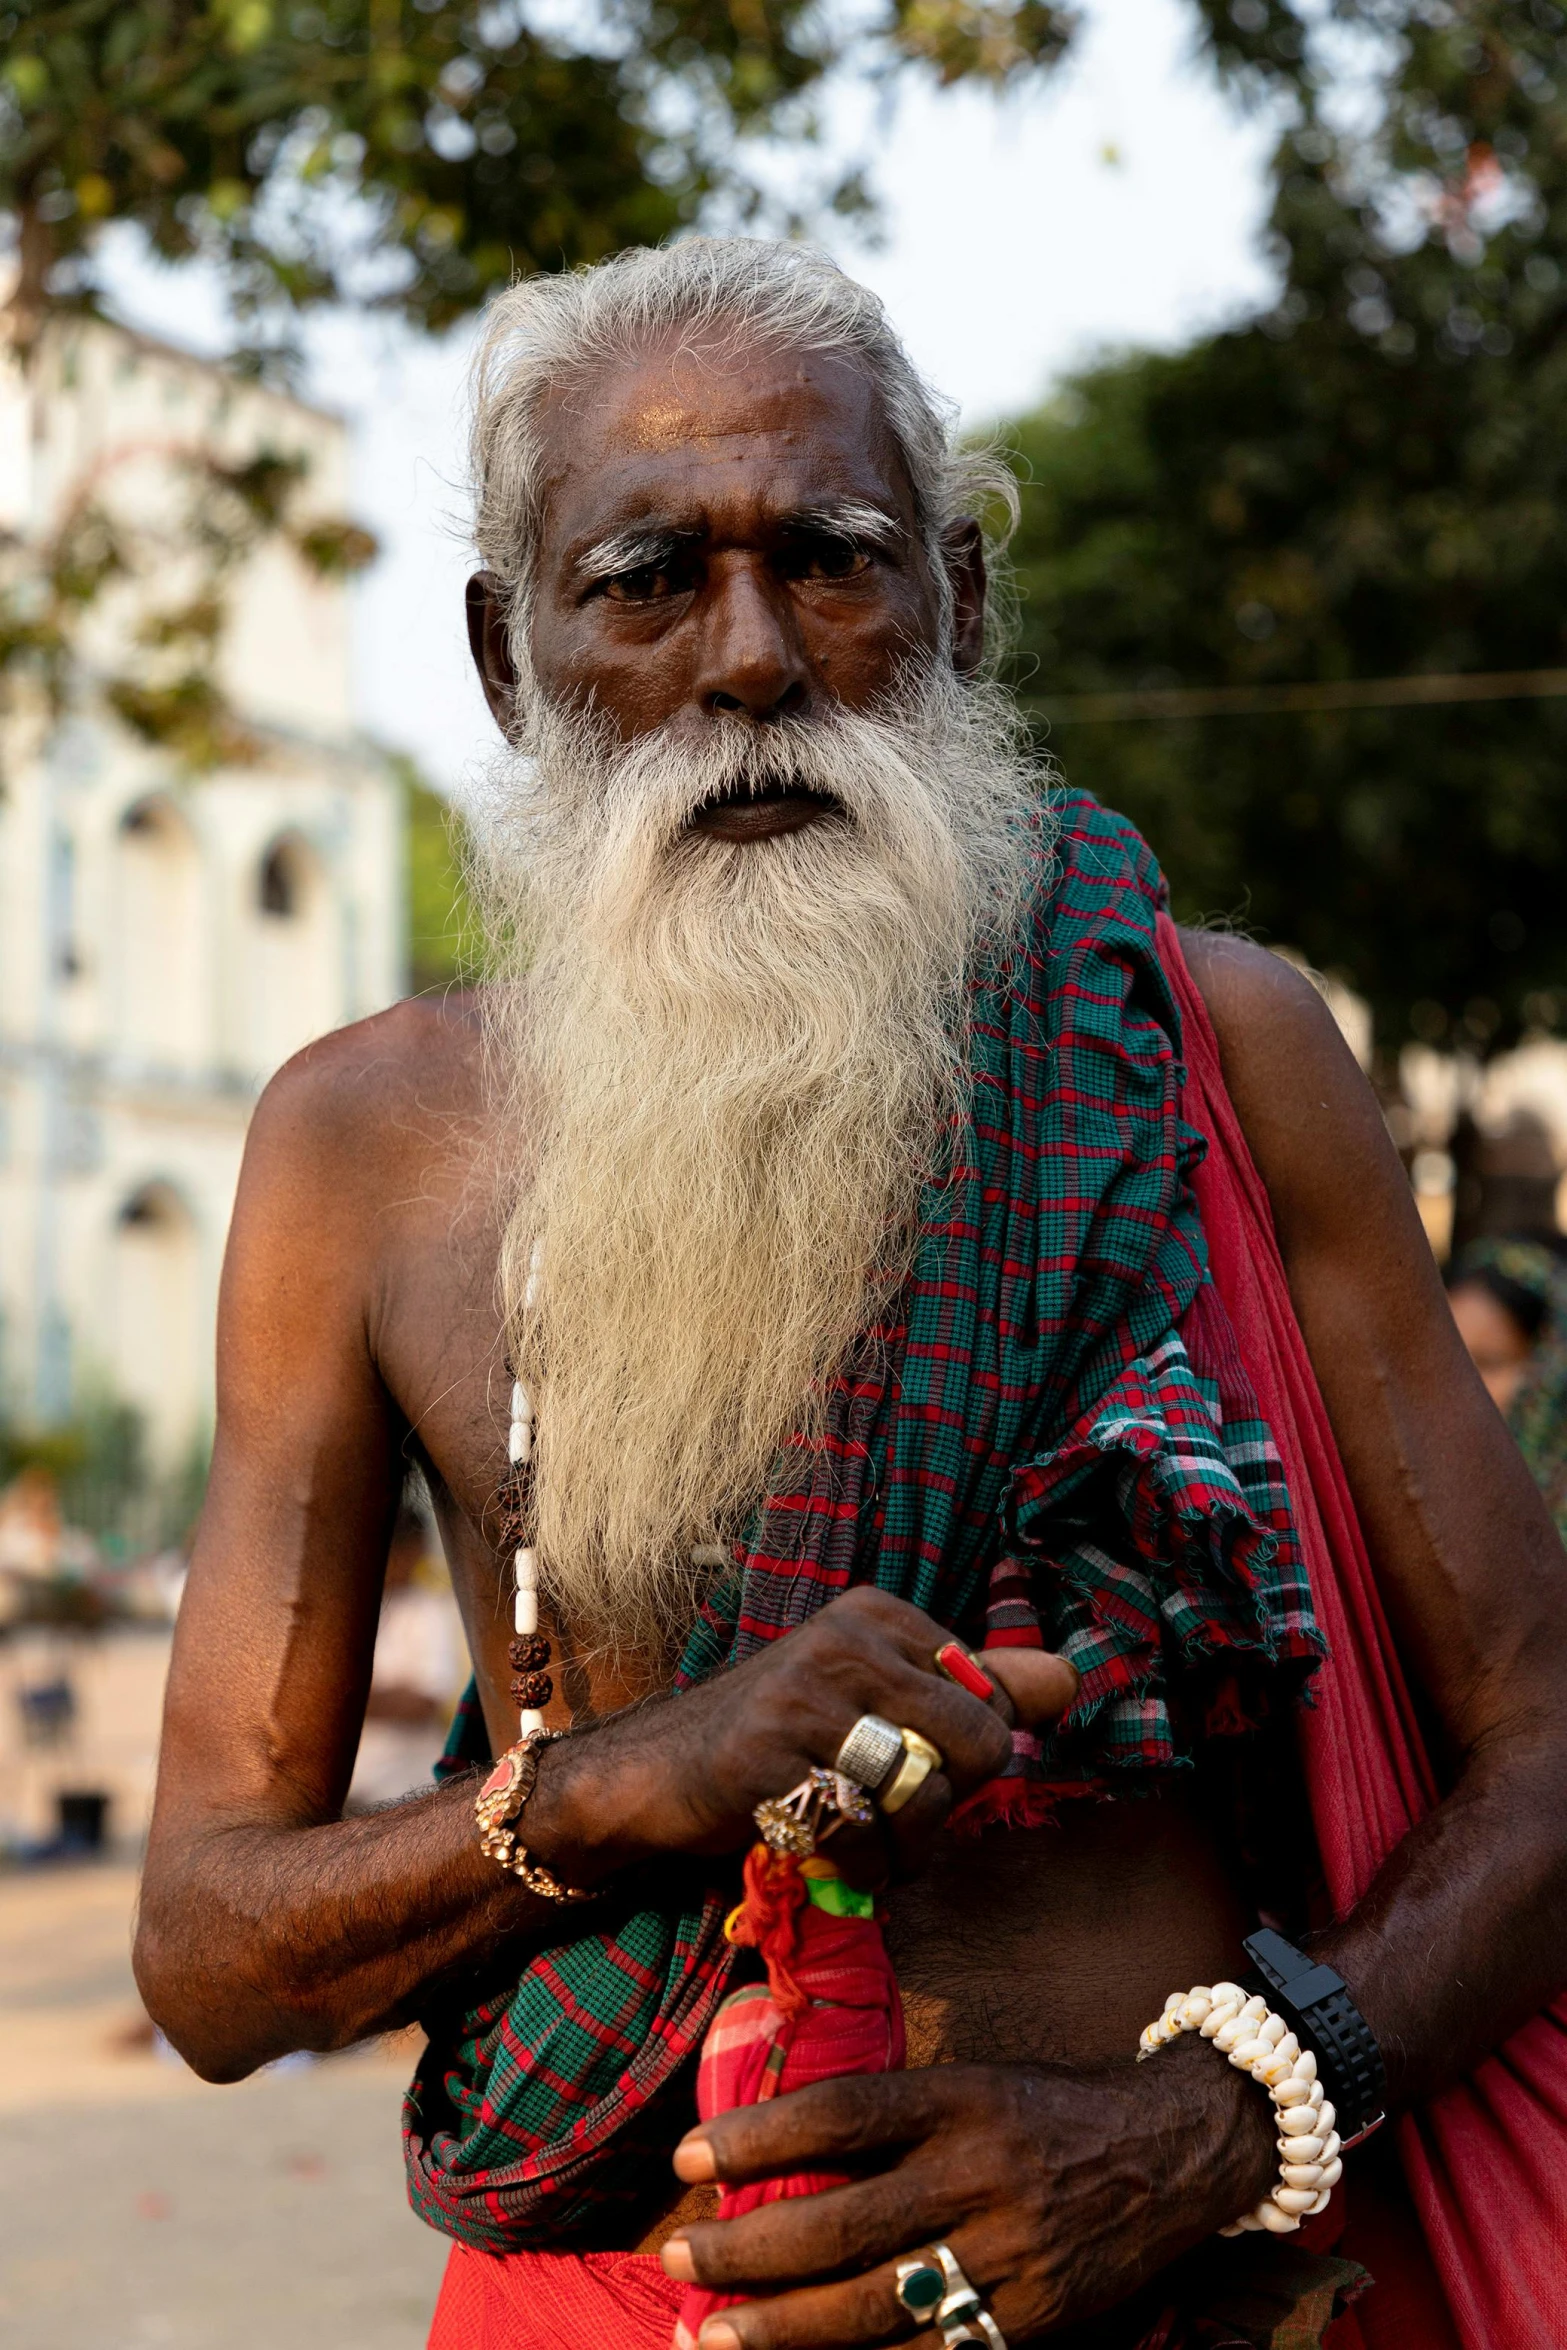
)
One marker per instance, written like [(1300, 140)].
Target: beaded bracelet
[(1261, 2043)]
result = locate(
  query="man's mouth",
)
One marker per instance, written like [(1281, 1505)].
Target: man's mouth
[(744, 812)]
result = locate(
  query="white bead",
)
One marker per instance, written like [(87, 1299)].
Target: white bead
[(521, 1407), (1299, 2149), (519, 1444), (1326, 2116), (1277, 2222), (1297, 2200), (1216, 2018), (526, 1565), (525, 1611), (1332, 2172), (1295, 2120), (529, 1719), (1302, 2174)]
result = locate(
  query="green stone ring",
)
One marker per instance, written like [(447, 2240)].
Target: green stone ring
[(920, 2287)]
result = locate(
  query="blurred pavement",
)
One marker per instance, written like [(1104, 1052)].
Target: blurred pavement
[(141, 2209)]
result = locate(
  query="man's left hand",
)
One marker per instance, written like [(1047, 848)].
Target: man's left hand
[(1059, 2190)]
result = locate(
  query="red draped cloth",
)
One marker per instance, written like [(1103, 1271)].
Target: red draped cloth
[(1487, 2161)]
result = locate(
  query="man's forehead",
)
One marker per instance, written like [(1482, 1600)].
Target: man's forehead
[(683, 429)]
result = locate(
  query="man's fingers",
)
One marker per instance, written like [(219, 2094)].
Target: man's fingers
[(861, 2309), (1040, 1685), (841, 2231), (808, 2129)]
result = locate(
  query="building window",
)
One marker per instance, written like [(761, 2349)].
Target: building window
[(281, 884)]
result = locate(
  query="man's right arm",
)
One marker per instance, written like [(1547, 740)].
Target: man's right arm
[(268, 1922)]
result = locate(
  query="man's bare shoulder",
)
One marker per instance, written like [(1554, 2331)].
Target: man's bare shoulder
[(377, 1099), (1259, 1004)]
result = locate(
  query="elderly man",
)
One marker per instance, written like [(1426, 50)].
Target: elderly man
[(791, 1256)]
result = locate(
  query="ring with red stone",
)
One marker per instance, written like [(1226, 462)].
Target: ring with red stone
[(960, 1665)]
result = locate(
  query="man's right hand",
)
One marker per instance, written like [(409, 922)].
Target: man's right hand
[(684, 1775)]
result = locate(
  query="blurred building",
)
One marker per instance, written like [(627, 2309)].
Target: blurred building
[(167, 940)]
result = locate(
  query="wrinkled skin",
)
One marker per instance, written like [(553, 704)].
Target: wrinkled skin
[(359, 1326)]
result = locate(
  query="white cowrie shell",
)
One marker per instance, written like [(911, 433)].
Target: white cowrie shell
[(1332, 2172), (1193, 2010), (1248, 2224), (1287, 2049), (1277, 2222), (1326, 2117), (1224, 1993), (1216, 2019), (1273, 2069), (1306, 2065), (1319, 2202), (1314, 2096), (1299, 2200), (1302, 2174), (1175, 2000), (1228, 2034), (1330, 2146), (1272, 2030), (1299, 2149), (1295, 2121), (1246, 2053), (1291, 2093)]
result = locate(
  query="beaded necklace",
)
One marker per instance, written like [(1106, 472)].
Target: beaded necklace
[(529, 1651)]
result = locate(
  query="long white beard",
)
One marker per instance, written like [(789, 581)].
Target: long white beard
[(729, 1071)]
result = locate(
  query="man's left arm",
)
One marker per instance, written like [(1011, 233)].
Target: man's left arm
[(1460, 1936)]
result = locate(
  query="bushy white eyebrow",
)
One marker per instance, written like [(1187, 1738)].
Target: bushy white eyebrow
[(633, 550), (854, 519)]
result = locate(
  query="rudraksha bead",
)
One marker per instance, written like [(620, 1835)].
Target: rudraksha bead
[(533, 1689), (528, 1652)]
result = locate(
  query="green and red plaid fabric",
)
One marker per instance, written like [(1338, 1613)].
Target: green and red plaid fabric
[(1027, 1439)]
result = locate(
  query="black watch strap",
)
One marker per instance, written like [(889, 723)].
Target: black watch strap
[(1315, 2001)]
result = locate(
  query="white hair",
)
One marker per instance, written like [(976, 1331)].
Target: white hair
[(732, 290)]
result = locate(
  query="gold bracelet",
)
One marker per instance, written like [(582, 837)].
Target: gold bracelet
[(498, 1807)]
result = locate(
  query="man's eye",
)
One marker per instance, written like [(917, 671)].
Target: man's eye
[(644, 585), (826, 558)]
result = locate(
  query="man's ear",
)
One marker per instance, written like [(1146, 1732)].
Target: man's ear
[(489, 641), (963, 546)]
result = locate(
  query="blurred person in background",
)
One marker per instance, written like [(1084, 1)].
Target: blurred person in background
[(416, 1676), (1509, 1300)]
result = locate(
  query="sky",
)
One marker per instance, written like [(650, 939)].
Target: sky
[(1119, 205)]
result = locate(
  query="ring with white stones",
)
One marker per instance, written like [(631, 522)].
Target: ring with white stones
[(869, 1752)]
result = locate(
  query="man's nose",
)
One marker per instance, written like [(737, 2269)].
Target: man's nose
[(751, 658)]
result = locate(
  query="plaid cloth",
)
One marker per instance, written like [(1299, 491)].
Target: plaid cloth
[(1052, 1428)]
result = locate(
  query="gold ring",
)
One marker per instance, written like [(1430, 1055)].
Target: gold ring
[(920, 1758)]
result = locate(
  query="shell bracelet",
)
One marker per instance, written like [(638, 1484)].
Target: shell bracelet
[(1243, 2026)]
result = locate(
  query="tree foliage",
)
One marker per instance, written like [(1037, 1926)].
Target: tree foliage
[(418, 153), (1369, 480)]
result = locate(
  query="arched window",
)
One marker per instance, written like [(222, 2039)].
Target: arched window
[(297, 980), (158, 1339), (163, 1007)]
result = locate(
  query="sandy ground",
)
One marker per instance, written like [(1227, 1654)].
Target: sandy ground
[(141, 2209)]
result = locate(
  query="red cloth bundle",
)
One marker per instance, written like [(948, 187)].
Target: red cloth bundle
[(829, 2006)]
